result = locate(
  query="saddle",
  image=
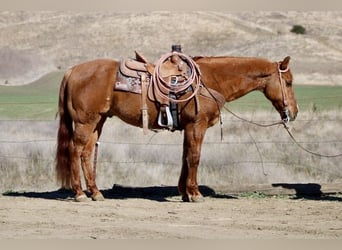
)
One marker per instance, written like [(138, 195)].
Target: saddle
[(163, 83), (130, 72), (132, 67)]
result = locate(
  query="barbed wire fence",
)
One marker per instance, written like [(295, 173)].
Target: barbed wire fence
[(246, 154)]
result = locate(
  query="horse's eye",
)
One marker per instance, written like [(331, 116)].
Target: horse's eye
[(288, 83)]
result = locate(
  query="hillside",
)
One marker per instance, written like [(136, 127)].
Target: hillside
[(35, 43)]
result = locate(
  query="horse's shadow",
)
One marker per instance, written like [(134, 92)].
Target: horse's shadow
[(308, 191), (156, 193)]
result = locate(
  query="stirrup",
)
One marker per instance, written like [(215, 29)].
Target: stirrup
[(169, 120)]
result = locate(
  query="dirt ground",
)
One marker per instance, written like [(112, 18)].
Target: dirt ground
[(158, 213)]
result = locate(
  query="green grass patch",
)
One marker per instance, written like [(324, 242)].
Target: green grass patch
[(261, 195), (38, 100), (254, 195), (309, 98)]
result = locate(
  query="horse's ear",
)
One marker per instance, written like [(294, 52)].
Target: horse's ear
[(285, 63)]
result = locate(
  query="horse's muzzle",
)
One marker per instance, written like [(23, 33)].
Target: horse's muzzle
[(287, 116)]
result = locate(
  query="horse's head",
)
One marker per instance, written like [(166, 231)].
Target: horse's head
[(279, 91)]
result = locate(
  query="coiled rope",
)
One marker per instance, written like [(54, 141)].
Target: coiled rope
[(162, 88)]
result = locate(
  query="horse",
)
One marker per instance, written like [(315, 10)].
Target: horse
[(88, 96), (87, 99)]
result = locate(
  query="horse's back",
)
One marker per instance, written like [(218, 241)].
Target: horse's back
[(90, 87), (95, 69)]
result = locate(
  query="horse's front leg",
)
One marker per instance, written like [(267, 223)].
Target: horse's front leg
[(192, 144)]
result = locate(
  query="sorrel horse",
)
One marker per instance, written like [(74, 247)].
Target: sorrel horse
[(87, 99)]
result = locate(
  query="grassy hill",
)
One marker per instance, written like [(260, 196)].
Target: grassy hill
[(37, 100), (34, 42)]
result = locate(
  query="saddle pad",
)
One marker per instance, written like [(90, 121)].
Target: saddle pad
[(128, 84)]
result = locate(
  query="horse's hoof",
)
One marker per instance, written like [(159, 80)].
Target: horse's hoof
[(198, 198), (189, 198), (81, 198), (186, 198), (97, 197)]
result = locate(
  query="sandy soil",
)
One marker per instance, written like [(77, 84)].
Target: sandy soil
[(154, 213)]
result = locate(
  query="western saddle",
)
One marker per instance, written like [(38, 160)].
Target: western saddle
[(174, 75)]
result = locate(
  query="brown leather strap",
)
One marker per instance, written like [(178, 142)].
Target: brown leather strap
[(144, 108)]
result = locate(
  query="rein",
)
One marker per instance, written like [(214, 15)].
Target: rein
[(163, 88), (307, 150), (287, 130), (254, 123)]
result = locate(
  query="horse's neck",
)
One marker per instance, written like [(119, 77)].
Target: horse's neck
[(235, 86), (233, 81), (245, 86)]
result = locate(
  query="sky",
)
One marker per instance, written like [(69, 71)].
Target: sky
[(173, 5)]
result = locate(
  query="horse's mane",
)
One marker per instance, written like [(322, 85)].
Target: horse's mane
[(261, 66), (196, 58)]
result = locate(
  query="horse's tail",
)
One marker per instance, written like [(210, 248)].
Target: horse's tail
[(65, 132)]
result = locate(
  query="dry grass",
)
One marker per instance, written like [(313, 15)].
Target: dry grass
[(247, 155)]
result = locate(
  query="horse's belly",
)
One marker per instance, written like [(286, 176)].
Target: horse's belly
[(128, 107)]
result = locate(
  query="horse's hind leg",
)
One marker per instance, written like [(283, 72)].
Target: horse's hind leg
[(75, 149), (88, 169), (88, 172), (81, 147)]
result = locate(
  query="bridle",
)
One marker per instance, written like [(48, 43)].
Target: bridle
[(282, 86)]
